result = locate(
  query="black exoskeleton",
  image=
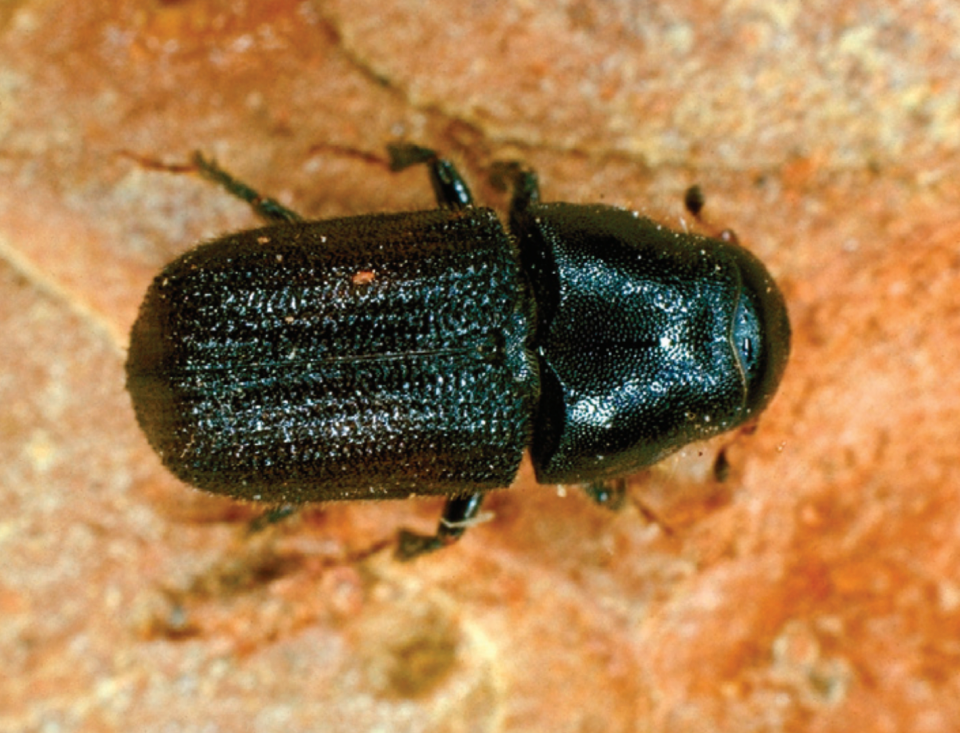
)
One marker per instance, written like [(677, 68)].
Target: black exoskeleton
[(379, 356)]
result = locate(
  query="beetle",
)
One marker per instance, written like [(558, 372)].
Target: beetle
[(388, 355)]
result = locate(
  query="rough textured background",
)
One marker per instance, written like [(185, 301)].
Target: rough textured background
[(817, 589)]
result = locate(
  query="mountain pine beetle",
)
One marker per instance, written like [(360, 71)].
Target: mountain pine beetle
[(381, 356)]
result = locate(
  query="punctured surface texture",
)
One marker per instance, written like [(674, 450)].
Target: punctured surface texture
[(636, 334), (817, 590), (359, 358)]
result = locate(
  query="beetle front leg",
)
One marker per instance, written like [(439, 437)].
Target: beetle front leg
[(459, 513)]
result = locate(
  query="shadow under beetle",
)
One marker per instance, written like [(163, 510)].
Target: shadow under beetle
[(380, 356)]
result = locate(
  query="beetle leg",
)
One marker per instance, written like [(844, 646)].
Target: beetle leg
[(459, 513), (272, 516), (449, 187), (694, 201), (610, 494), (523, 181), (268, 209)]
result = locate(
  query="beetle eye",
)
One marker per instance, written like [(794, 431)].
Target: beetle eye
[(746, 337)]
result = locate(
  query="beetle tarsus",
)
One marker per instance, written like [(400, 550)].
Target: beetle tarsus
[(721, 466), (411, 545), (449, 187), (459, 513), (405, 155), (521, 180), (611, 493), (271, 516), (268, 209)]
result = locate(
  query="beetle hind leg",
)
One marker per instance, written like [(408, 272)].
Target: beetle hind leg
[(459, 513), (449, 187), (269, 209)]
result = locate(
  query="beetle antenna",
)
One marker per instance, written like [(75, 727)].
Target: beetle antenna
[(694, 200)]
